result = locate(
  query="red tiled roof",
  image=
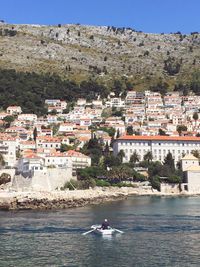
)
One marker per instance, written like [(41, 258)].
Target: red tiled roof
[(73, 153), (159, 138)]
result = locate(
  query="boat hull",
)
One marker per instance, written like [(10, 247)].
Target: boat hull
[(100, 231)]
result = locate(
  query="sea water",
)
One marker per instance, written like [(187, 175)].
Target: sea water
[(158, 231)]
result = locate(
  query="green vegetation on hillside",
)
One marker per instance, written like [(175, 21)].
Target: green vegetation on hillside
[(29, 90)]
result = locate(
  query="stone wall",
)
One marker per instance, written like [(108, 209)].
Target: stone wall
[(193, 180), (166, 188), (49, 180)]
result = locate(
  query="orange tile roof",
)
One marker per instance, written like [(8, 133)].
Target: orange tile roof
[(84, 138), (73, 153), (160, 138)]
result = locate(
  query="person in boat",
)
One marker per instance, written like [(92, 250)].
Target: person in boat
[(105, 224)]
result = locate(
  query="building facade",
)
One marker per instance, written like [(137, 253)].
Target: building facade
[(8, 150), (159, 146)]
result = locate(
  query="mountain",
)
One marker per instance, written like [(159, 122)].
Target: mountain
[(79, 52)]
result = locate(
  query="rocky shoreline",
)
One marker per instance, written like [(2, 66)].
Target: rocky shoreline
[(61, 199), (67, 199)]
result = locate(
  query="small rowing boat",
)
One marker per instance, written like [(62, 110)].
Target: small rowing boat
[(98, 230)]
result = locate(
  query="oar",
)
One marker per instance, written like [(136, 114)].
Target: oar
[(118, 230), (88, 232)]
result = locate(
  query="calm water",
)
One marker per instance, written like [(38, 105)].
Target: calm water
[(158, 232)]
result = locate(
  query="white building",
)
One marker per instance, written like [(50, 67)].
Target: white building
[(48, 142), (57, 159), (14, 110), (78, 159), (191, 170), (8, 150), (27, 165), (66, 128), (159, 146), (81, 102), (116, 102), (27, 117)]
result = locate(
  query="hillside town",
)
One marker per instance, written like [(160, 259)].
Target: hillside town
[(44, 152)]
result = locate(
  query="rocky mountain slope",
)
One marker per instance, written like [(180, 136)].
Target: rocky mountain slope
[(78, 52)]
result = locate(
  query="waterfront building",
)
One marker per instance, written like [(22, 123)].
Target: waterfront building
[(159, 146), (191, 169)]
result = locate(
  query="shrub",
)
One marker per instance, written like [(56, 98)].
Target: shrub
[(71, 185), (5, 178), (102, 183), (155, 182)]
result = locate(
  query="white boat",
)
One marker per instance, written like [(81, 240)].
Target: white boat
[(99, 230), (107, 232)]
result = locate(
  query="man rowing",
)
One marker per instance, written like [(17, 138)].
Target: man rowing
[(105, 225)]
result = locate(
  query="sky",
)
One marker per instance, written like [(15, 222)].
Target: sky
[(154, 16)]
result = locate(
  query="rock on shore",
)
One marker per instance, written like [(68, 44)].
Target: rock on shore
[(62, 199)]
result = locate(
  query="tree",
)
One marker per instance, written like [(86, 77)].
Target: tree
[(175, 179), (64, 147), (169, 161), (53, 112), (161, 132), (111, 160), (9, 119), (109, 130), (195, 117), (118, 134), (5, 178), (148, 156), (121, 155), (172, 66), (94, 149), (129, 130), (55, 128), (35, 134), (134, 157), (2, 162), (196, 153), (160, 86), (155, 182), (106, 149), (181, 128)]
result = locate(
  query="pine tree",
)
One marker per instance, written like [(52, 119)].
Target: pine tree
[(35, 134), (106, 149), (169, 161), (129, 130), (118, 134)]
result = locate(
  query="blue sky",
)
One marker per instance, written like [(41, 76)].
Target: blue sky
[(145, 15)]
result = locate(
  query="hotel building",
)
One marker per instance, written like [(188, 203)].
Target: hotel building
[(159, 146)]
